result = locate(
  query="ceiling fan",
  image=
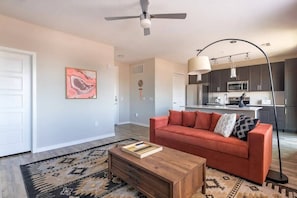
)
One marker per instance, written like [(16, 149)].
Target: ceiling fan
[(145, 17)]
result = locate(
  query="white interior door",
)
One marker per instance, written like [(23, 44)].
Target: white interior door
[(15, 102), (116, 96), (178, 92)]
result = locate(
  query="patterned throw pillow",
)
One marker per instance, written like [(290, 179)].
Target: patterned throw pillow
[(226, 124), (243, 125)]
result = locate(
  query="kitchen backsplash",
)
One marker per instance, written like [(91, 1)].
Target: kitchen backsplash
[(256, 98)]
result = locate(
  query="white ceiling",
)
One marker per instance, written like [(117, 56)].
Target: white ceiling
[(273, 21)]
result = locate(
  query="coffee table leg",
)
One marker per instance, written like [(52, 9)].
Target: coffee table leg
[(204, 179), (109, 166)]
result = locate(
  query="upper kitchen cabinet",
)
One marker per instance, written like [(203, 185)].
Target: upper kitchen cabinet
[(255, 78), (278, 74), (219, 79), (194, 80), (260, 79), (242, 74)]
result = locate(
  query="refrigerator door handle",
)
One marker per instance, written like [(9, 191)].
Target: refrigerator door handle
[(285, 101)]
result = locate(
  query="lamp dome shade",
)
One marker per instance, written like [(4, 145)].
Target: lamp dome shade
[(198, 65)]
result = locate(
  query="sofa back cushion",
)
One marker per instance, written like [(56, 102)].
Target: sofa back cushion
[(214, 120), (189, 118), (175, 117), (203, 120)]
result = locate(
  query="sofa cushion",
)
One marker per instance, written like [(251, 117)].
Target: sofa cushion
[(175, 117), (202, 138), (189, 118), (243, 125), (226, 124), (214, 120), (203, 120)]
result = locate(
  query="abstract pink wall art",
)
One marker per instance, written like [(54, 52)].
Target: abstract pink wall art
[(81, 83)]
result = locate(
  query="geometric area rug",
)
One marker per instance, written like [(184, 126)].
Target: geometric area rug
[(83, 174)]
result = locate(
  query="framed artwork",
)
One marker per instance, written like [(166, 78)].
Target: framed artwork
[(80, 83)]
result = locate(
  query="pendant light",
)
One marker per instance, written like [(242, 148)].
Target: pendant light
[(232, 69)]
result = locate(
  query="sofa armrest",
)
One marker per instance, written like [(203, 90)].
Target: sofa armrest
[(157, 122), (260, 151)]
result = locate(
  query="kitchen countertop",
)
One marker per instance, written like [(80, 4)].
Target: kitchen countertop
[(227, 107), (247, 110), (265, 105)]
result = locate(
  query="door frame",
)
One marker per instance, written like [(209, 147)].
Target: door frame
[(179, 75), (33, 92)]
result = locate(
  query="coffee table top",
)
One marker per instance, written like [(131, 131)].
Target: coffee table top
[(169, 163)]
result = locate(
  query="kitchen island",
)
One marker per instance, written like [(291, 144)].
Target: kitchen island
[(248, 111)]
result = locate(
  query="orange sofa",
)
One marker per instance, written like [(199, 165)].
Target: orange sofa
[(249, 159)]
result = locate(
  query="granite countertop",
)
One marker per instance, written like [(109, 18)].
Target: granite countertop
[(227, 107)]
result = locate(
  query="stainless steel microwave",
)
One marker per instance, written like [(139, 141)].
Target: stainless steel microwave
[(238, 86)]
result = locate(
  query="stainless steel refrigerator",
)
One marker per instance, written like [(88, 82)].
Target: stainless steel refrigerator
[(197, 94)]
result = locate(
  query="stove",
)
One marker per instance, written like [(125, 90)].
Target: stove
[(235, 100)]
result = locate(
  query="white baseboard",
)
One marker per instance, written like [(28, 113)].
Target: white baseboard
[(57, 146), (136, 123), (122, 123), (140, 124)]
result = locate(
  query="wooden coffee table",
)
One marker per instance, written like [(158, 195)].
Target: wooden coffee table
[(168, 173)]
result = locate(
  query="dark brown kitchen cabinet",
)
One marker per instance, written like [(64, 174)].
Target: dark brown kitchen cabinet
[(278, 74), (225, 77), (255, 78), (215, 79), (291, 94), (193, 79), (266, 115), (260, 78), (204, 79), (218, 80), (277, 70), (242, 74)]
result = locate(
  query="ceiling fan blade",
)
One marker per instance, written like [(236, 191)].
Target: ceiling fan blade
[(144, 5), (170, 16), (146, 31), (120, 17)]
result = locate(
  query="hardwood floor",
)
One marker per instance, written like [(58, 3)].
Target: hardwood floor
[(12, 186)]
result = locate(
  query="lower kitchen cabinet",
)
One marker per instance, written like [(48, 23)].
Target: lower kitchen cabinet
[(267, 116)]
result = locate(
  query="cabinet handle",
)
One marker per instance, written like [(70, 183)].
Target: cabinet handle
[(286, 101)]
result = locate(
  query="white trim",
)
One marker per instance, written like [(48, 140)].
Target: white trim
[(57, 146), (33, 94), (121, 123), (140, 124)]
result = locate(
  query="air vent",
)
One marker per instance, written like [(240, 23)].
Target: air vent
[(137, 69)]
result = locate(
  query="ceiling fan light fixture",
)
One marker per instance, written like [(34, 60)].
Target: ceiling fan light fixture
[(145, 23)]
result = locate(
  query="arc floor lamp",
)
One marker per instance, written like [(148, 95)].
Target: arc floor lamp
[(201, 65)]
